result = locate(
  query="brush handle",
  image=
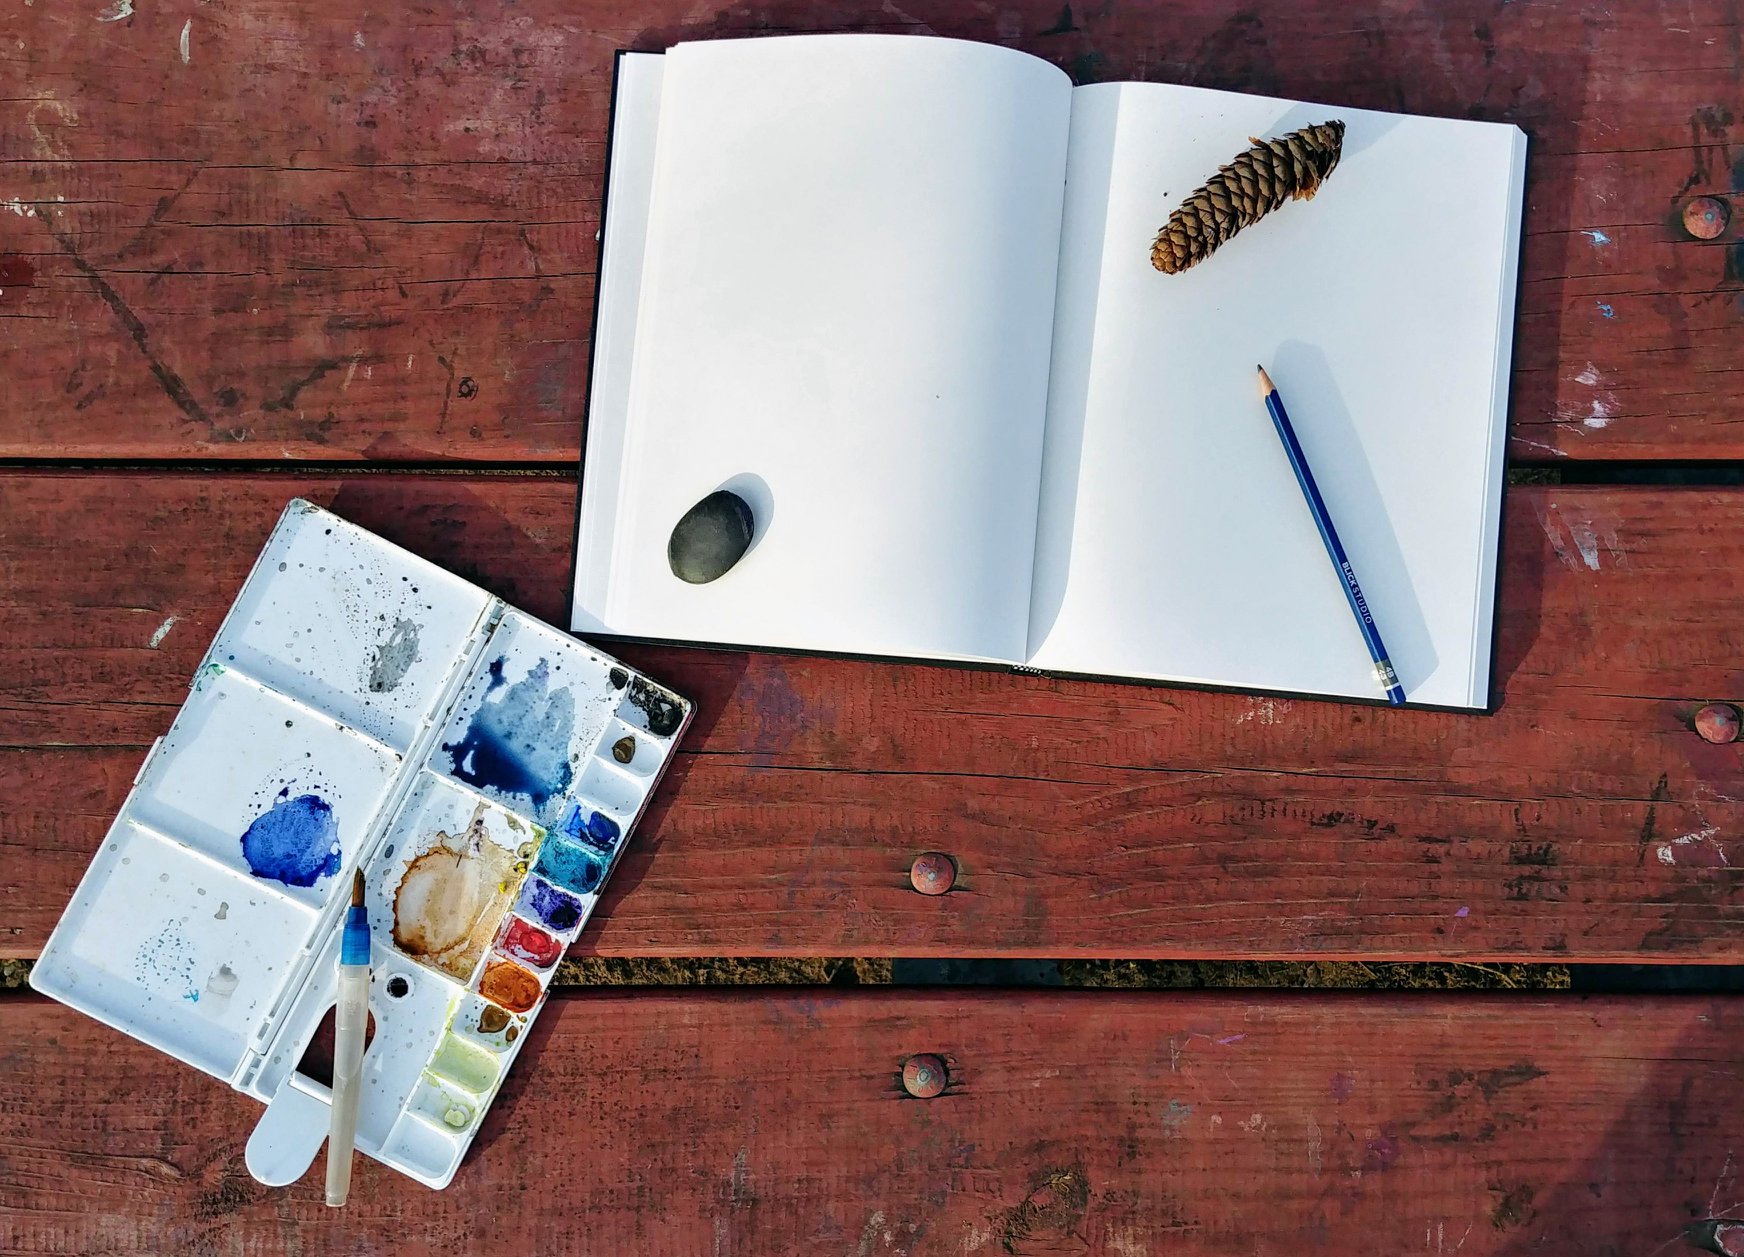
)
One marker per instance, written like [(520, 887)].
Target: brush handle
[(351, 1018)]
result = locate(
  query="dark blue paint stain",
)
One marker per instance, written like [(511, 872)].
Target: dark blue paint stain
[(571, 867), (548, 906), (519, 743), (595, 829), (295, 841)]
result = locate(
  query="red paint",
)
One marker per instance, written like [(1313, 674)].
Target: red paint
[(528, 942)]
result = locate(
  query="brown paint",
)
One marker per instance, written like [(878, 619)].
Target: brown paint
[(453, 897), (506, 983)]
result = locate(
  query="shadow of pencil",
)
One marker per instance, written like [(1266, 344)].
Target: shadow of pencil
[(1330, 439)]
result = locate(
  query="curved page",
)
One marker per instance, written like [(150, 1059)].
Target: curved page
[(1174, 542), (844, 314)]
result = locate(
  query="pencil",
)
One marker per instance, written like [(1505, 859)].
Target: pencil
[(351, 1021), (1353, 594)]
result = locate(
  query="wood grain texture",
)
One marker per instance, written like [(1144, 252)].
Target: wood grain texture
[(763, 1123), (371, 238), (1584, 820)]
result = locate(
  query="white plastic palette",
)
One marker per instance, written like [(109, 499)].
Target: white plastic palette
[(362, 708)]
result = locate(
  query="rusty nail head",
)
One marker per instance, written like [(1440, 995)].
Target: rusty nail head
[(1718, 722), (924, 1076), (1705, 217), (933, 873)]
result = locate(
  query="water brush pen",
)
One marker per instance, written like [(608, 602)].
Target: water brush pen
[(351, 1020)]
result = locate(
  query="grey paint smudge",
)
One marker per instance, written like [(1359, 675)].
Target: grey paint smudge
[(223, 983), (394, 657)]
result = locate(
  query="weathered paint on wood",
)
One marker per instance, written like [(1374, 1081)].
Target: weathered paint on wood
[(258, 231), (775, 1122), (1584, 820)]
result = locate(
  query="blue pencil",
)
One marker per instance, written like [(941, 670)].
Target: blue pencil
[(1353, 594)]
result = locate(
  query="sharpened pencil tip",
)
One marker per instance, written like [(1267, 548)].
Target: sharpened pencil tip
[(1265, 380), (357, 888)]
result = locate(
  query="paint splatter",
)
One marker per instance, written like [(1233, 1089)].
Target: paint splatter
[(182, 43), (117, 11), (1463, 912), (544, 903), (295, 841), (519, 743), (452, 897), (166, 961), (1606, 309), (1598, 237), (569, 866), (163, 631), (1175, 1117), (509, 985), (394, 657), (1343, 1085), (531, 944), (1229, 1039)]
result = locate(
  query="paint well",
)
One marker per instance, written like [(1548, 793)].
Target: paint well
[(569, 866), (527, 942), (542, 902), (590, 828), (460, 1063), (509, 985), (295, 841)]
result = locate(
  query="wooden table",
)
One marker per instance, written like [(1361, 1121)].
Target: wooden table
[(251, 250)]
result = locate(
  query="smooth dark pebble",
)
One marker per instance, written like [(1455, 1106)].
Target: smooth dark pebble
[(624, 749), (711, 537)]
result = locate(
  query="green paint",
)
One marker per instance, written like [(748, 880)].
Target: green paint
[(464, 1065)]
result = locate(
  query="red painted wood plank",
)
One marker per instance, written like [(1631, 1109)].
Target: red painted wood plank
[(394, 262), (1584, 820), (774, 1122)]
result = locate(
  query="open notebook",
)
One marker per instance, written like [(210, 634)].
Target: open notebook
[(896, 292)]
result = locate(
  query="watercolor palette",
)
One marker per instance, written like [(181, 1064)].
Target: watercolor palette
[(362, 709)]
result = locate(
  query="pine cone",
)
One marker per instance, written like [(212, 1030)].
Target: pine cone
[(1245, 190)]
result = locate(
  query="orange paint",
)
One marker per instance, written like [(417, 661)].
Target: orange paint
[(509, 985)]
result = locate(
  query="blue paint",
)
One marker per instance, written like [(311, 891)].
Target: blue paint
[(519, 743), (569, 866), (1606, 310), (166, 960), (295, 841), (1596, 236), (542, 902), (593, 829)]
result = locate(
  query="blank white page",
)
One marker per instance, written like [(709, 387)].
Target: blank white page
[(845, 311), (1173, 542)]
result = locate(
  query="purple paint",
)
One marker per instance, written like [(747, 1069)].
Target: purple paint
[(1463, 912), (1343, 1085), (1227, 1039), (540, 901)]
